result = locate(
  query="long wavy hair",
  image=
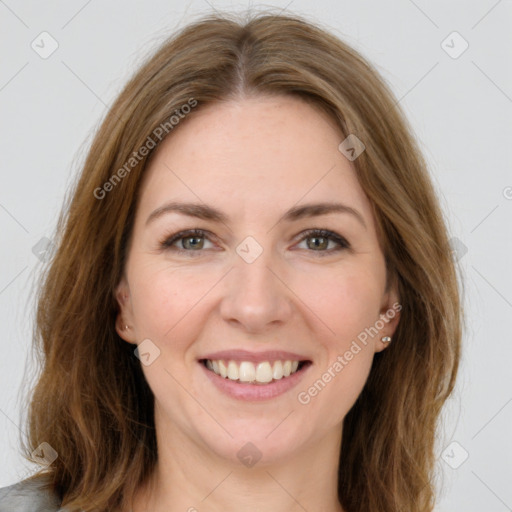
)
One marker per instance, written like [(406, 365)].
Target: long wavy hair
[(91, 402)]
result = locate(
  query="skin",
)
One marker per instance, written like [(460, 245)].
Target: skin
[(252, 158)]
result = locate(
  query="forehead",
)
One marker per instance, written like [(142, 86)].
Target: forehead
[(251, 156)]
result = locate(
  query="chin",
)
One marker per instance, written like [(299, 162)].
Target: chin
[(256, 442)]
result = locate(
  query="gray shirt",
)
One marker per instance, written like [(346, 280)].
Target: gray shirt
[(28, 496)]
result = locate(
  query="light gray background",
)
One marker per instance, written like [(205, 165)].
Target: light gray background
[(460, 109)]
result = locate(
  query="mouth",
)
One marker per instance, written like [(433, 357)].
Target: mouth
[(254, 376), (262, 373)]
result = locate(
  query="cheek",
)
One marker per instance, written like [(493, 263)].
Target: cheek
[(333, 391), (168, 309), (346, 301), (348, 304), (167, 302)]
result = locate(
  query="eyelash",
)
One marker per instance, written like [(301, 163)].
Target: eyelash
[(167, 243)]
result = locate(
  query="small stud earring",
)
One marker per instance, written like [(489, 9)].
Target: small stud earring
[(385, 339), (126, 327)]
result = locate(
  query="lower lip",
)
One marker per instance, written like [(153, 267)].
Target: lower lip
[(255, 392)]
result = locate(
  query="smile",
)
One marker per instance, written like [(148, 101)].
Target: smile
[(263, 372), (257, 380)]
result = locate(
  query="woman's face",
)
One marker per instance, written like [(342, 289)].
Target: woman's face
[(254, 285)]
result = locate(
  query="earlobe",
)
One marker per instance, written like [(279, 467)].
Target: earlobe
[(389, 319), (125, 331)]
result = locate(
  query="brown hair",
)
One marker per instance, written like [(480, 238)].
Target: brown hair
[(92, 403)]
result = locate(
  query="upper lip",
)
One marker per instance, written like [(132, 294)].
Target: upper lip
[(254, 357)]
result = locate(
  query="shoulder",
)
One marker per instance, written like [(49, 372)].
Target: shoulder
[(29, 495)]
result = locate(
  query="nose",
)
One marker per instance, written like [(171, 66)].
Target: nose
[(256, 297)]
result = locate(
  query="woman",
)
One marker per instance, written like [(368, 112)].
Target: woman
[(252, 302)]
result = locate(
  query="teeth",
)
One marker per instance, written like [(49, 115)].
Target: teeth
[(247, 371), (232, 370), (278, 370), (223, 370), (264, 372)]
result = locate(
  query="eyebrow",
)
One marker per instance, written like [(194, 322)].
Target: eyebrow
[(205, 212)]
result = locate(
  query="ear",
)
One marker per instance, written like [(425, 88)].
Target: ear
[(125, 326), (389, 317)]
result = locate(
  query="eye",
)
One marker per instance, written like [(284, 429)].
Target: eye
[(192, 240), (321, 239)]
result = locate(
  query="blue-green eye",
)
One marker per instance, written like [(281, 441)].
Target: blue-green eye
[(192, 241), (324, 236)]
